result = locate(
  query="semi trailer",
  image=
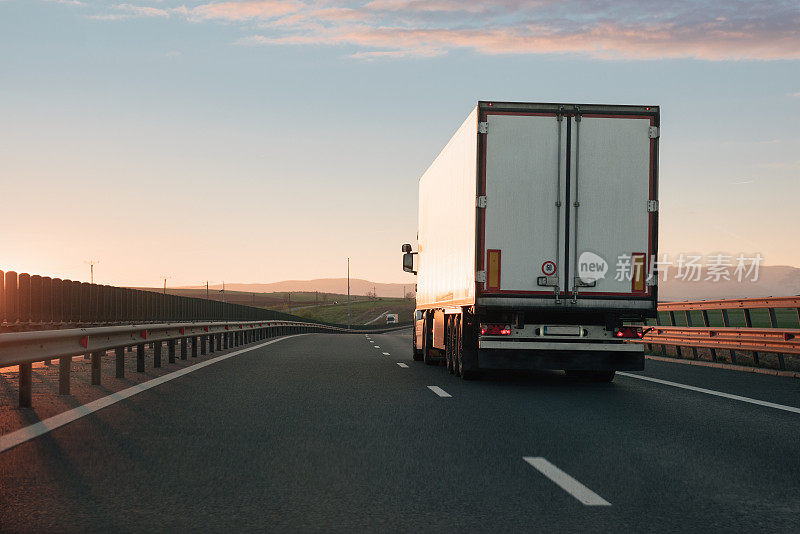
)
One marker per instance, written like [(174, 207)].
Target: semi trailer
[(537, 239)]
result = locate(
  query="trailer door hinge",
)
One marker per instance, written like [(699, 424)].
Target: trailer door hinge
[(480, 202), (480, 276), (652, 206), (653, 132), (483, 127)]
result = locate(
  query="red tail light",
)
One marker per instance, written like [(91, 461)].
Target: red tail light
[(495, 330), (629, 332)]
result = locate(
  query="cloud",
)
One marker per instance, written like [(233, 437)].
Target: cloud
[(127, 11), (793, 95), (248, 10), (77, 3), (625, 29)]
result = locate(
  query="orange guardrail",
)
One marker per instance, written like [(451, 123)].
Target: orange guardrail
[(773, 339)]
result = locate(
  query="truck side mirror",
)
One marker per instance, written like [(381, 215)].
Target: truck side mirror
[(408, 263)]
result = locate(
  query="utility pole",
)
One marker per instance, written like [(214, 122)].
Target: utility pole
[(91, 269), (348, 293), (207, 290), (165, 278), (223, 291)]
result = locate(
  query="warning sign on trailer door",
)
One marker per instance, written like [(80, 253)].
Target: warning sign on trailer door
[(549, 268)]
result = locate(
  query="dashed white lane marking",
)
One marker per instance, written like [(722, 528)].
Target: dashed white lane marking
[(401, 364), (712, 392), (566, 482), (386, 354), (439, 391), (377, 346), (18, 437)]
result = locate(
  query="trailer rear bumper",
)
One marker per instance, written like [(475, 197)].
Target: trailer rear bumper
[(563, 359)]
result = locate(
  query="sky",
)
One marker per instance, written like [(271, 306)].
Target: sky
[(258, 141)]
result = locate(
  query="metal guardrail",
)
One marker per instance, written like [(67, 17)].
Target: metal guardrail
[(26, 348), (775, 340)]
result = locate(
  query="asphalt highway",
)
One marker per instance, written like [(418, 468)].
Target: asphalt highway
[(346, 433)]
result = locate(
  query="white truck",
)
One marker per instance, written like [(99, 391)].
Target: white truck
[(537, 234)]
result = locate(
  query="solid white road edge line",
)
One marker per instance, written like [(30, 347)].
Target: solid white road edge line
[(439, 391), (566, 482), (401, 364), (18, 437), (712, 392)]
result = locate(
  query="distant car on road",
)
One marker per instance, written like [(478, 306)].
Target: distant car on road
[(391, 318)]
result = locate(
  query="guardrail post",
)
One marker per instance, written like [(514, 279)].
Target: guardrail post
[(157, 354), (689, 323), (25, 385), (64, 372), (194, 346), (140, 358), (706, 324), (211, 348), (119, 359), (171, 351), (203, 340), (184, 340), (726, 322), (773, 321), (97, 358), (749, 324), (225, 341)]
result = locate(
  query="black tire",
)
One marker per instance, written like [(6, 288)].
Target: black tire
[(468, 355), (415, 352), (592, 376), (458, 345), (427, 334), (449, 354)]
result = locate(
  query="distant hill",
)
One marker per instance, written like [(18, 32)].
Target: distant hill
[(323, 285), (773, 281)]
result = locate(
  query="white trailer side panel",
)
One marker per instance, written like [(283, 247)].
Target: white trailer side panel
[(446, 261)]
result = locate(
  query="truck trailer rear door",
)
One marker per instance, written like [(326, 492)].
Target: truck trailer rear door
[(611, 215), (522, 220)]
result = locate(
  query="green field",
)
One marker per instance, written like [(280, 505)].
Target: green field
[(361, 311), (786, 318)]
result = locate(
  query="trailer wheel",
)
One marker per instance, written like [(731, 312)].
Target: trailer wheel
[(591, 376), (449, 353), (415, 352), (468, 355), (458, 346), (427, 334)]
